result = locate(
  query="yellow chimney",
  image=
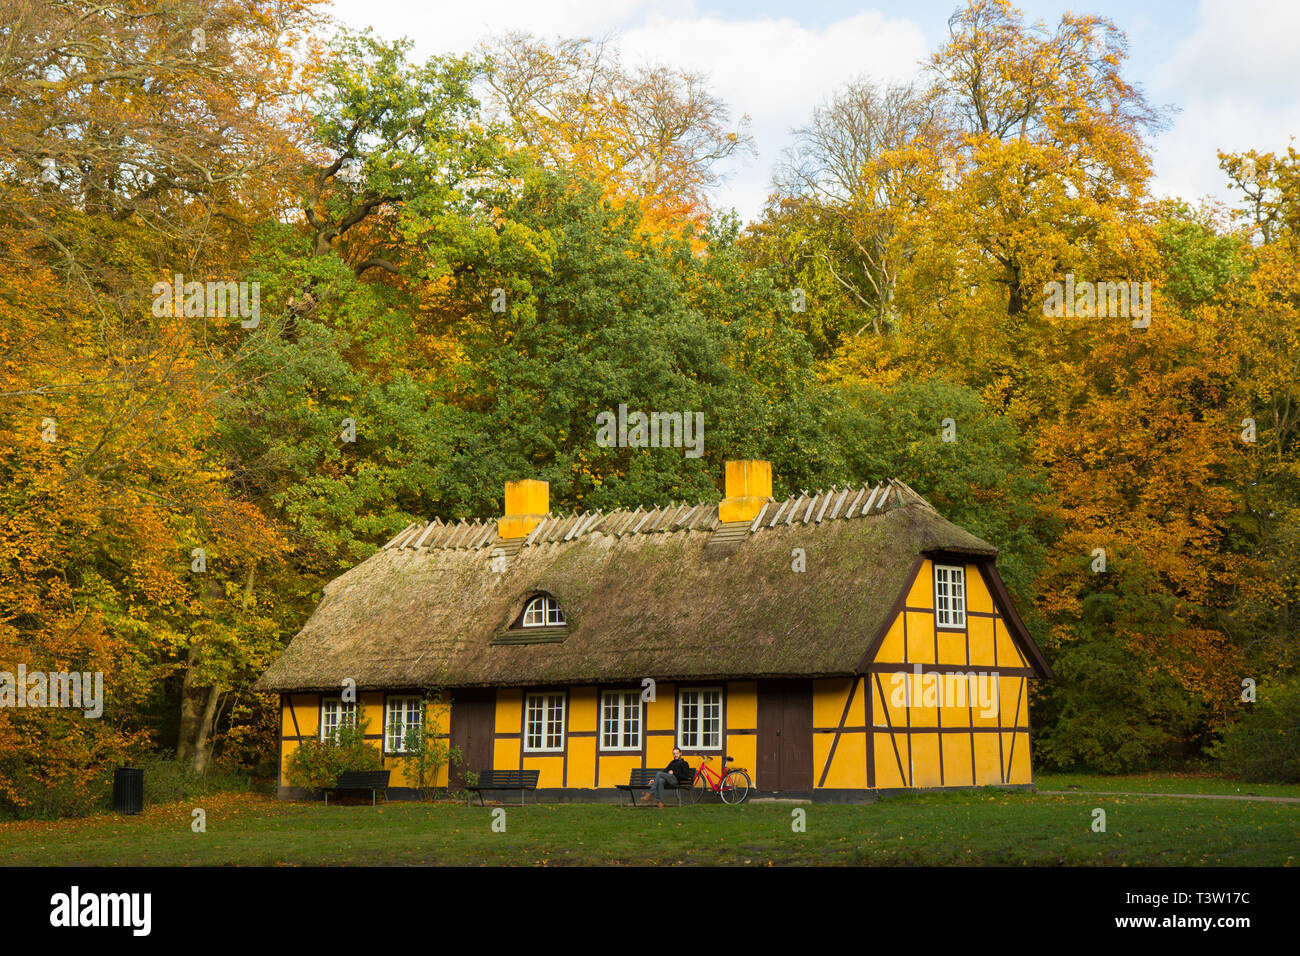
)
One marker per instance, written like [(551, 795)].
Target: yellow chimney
[(527, 503), (749, 486)]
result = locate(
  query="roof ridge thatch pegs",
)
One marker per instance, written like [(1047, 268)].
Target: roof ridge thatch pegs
[(630, 518), (826, 500), (464, 531), (839, 504), (664, 518), (651, 519), (777, 517), (595, 517), (794, 509), (640, 523), (890, 489), (849, 511), (554, 529), (401, 534), (413, 539), (430, 534), (532, 535)]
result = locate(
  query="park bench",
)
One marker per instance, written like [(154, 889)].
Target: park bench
[(520, 780), (641, 779), (376, 781)]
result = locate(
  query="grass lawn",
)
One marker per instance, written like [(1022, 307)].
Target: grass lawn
[(985, 827), (1164, 783)]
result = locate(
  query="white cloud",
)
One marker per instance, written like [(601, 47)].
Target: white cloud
[(445, 27), (1241, 48), (1235, 73), (1186, 158), (772, 68), (1235, 77), (776, 71)]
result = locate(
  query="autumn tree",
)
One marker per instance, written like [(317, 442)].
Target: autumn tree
[(842, 194), (651, 134), (140, 142), (1050, 159), (1261, 324)]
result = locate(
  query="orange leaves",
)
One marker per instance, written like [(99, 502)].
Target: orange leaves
[(1044, 180), (650, 136), (110, 465)]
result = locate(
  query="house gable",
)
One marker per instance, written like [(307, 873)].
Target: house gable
[(1003, 640), (949, 705)]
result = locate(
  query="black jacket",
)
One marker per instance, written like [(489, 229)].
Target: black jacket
[(680, 769)]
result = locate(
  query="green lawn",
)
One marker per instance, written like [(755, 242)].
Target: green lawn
[(1164, 783), (989, 827)]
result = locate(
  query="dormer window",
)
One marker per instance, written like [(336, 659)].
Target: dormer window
[(542, 611), (539, 621)]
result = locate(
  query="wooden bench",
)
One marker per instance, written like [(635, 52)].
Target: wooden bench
[(520, 780), (642, 779), (376, 781)]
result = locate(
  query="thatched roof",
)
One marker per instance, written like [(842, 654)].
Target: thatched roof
[(667, 593)]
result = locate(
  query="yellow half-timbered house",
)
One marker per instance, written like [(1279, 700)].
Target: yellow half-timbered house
[(834, 644)]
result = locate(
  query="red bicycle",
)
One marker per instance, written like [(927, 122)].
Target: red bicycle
[(732, 786)]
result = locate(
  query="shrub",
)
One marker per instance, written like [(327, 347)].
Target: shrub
[(55, 763), (317, 763), (166, 781), (60, 797), (427, 752), (1105, 712), (1264, 745)]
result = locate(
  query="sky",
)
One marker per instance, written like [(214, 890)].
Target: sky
[(1231, 68)]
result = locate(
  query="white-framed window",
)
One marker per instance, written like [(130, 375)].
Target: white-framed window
[(620, 720), (401, 715), (949, 596), (334, 714), (544, 722), (542, 611), (699, 718)]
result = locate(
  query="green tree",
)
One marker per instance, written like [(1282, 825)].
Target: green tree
[(984, 480)]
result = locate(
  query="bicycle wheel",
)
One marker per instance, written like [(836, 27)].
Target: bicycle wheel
[(735, 787), (698, 787)]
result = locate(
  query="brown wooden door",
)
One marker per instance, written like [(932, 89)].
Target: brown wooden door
[(784, 736), (472, 716)]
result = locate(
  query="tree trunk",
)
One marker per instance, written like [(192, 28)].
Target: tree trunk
[(203, 734), (198, 708), (199, 703), (189, 710), (1016, 298)]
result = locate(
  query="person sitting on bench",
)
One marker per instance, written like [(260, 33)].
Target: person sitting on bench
[(676, 774)]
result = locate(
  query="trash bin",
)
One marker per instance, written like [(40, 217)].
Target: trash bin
[(128, 790)]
